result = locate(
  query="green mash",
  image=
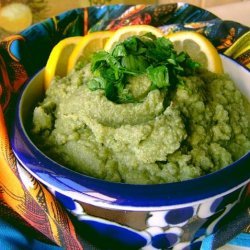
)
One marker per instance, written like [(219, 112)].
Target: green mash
[(147, 133)]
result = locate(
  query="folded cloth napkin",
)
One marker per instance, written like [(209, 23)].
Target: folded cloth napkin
[(229, 233), (23, 54), (240, 242), (13, 237)]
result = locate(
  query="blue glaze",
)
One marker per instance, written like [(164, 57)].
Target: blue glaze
[(193, 246), (164, 240), (216, 205), (116, 236), (177, 216), (66, 201)]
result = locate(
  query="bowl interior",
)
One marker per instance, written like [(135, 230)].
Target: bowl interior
[(239, 74), (32, 94)]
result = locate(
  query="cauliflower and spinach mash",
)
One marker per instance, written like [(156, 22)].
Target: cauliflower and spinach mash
[(142, 114)]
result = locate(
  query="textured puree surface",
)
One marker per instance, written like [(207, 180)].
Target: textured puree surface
[(201, 130)]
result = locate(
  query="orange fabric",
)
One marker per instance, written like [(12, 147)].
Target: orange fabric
[(46, 214), (29, 199)]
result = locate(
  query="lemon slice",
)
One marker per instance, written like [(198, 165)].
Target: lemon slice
[(127, 31), (199, 49), (15, 17), (87, 46), (58, 59)]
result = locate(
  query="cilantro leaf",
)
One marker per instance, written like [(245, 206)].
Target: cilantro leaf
[(134, 64), (139, 55), (159, 76)]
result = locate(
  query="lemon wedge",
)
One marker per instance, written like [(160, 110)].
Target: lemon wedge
[(87, 45), (132, 30), (58, 59), (15, 17), (199, 49)]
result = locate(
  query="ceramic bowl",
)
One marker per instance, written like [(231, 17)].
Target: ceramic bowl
[(177, 215)]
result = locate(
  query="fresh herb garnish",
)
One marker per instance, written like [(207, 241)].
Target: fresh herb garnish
[(136, 55)]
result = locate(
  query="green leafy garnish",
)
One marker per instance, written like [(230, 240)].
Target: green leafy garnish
[(136, 55)]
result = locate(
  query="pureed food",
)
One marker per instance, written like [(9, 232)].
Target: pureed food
[(142, 114)]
